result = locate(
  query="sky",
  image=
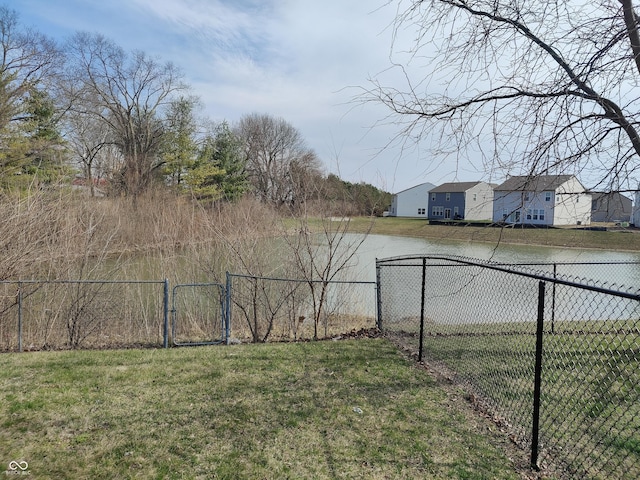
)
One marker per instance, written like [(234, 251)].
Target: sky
[(300, 60)]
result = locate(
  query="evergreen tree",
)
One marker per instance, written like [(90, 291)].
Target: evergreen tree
[(179, 145), (219, 170), (34, 154), (29, 139)]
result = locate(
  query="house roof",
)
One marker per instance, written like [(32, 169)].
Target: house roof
[(538, 183), (427, 184), (598, 195), (454, 187)]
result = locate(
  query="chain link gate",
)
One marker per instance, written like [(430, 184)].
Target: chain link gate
[(198, 314)]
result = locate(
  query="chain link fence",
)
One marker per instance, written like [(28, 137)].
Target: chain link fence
[(75, 314), (552, 357), (278, 309), (43, 315)]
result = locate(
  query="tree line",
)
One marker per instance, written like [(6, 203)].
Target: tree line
[(125, 123)]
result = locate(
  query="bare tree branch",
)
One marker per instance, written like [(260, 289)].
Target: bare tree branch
[(533, 86)]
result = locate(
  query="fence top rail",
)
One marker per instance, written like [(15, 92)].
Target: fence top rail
[(301, 280), (512, 268), (451, 257), (31, 282), (199, 284)]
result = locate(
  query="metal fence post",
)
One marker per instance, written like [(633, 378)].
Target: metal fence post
[(378, 296), (535, 433), (166, 313), (227, 302), (424, 281), (553, 298), (19, 317)]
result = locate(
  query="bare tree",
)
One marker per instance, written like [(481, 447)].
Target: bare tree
[(88, 140), (323, 253), (529, 86), (276, 157), (132, 91), (88, 241), (245, 240)]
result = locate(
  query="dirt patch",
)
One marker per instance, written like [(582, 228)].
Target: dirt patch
[(361, 333)]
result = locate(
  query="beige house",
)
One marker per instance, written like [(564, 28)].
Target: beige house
[(470, 201)]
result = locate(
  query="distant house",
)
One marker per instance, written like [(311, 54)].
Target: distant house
[(461, 200), (100, 185), (411, 202), (542, 200), (610, 207)]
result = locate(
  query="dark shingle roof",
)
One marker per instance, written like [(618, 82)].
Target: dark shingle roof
[(598, 195), (539, 183), (454, 187)]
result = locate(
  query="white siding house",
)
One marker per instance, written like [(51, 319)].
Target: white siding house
[(412, 202), (542, 200)]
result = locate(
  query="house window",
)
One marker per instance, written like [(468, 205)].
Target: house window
[(547, 196), (535, 214), (437, 211), (447, 196), (514, 216), (475, 197), (526, 196), (433, 197), (421, 211), (456, 212)]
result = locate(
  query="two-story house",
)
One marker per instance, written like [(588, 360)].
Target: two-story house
[(610, 207), (411, 202), (542, 200)]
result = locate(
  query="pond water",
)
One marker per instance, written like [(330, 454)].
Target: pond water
[(384, 246), (615, 270)]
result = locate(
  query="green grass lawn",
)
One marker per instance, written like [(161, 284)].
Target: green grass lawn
[(348, 409), (558, 237), (590, 400)]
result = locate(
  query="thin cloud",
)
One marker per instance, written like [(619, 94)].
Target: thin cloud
[(291, 59)]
